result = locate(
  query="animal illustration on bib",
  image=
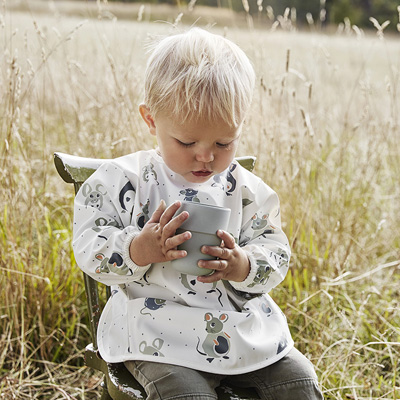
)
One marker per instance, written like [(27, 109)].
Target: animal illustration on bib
[(149, 173), (113, 264), (152, 304), (190, 195), (94, 197), (144, 216), (127, 196), (193, 284), (261, 224), (263, 272), (217, 343), (283, 258), (153, 349), (283, 342), (228, 184), (102, 223)]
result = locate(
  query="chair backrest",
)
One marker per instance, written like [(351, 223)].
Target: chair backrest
[(76, 170)]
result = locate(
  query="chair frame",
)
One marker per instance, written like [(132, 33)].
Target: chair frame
[(118, 383)]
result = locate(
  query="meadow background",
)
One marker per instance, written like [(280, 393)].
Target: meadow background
[(324, 126)]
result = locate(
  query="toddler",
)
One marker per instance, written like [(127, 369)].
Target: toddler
[(180, 336)]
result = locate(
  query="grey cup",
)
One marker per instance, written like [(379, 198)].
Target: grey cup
[(203, 222)]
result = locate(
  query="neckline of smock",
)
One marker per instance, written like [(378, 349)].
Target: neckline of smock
[(179, 179)]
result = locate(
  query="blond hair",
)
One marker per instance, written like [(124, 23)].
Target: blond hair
[(197, 74)]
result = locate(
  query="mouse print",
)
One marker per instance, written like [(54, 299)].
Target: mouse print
[(113, 264), (153, 349), (142, 281), (190, 195), (192, 284), (217, 342), (152, 304)]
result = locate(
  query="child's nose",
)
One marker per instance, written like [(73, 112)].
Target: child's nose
[(205, 155)]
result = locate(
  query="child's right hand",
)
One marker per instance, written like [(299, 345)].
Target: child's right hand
[(157, 241)]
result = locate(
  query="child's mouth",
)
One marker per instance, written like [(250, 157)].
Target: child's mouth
[(201, 173)]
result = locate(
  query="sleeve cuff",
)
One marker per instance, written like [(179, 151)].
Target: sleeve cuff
[(126, 254), (242, 286)]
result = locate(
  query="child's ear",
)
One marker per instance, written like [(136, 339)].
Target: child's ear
[(148, 118)]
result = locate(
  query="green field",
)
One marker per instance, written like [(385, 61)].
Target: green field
[(324, 125)]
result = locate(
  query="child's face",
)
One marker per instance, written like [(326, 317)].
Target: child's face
[(196, 150)]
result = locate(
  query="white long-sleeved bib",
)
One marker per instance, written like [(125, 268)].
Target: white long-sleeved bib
[(158, 314)]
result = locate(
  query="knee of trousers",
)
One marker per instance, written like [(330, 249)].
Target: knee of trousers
[(164, 381), (295, 366)]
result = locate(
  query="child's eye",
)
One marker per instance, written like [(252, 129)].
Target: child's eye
[(223, 144), (185, 144)]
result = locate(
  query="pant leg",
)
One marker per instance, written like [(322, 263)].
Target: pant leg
[(167, 382), (291, 378)]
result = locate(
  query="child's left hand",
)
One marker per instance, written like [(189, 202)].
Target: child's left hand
[(232, 263)]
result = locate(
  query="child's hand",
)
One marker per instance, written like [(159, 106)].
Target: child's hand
[(232, 264), (157, 241)]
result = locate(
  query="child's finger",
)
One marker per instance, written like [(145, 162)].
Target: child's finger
[(216, 251), (228, 239), (155, 218), (175, 254), (174, 241), (169, 212)]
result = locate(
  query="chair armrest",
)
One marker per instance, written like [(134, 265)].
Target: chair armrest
[(74, 169), (247, 162)]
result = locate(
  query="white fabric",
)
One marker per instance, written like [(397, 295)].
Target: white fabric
[(158, 314)]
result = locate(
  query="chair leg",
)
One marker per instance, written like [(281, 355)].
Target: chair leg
[(104, 394)]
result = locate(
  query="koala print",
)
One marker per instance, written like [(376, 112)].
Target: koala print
[(190, 195), (149, 172), (262, 224), (263, 272), (127, 196), (217, 342), (94, 197), (283, 258), (154, 349), (113, 264)]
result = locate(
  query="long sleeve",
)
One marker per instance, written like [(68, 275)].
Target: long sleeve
[(103, 228), (262, 238)]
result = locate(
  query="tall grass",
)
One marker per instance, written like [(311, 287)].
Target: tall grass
[(325, 128)]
